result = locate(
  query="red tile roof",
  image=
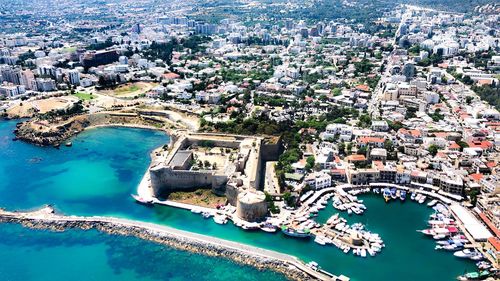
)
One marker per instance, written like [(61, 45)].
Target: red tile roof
[(495, 242), (476, 177), (490, 224), (356, 157), (370, 140)]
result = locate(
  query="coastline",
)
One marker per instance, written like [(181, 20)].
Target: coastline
[(262, 259), (33, 131)]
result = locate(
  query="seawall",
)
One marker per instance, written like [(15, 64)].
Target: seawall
[(259, 258)]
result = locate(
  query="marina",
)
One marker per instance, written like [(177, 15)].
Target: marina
[(396, 222)]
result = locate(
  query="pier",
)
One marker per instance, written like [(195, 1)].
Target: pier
[(291, 266)]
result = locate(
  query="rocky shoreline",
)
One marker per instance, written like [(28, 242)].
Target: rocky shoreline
[(116, 227), (43, 133)]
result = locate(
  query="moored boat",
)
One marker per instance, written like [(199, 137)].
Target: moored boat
[(295, 233), (142, 200)]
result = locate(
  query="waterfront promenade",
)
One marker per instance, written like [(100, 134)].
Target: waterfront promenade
[(46, 216)]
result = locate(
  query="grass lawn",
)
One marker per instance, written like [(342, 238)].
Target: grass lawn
[(200, 197), (127, 89), (84, 96)]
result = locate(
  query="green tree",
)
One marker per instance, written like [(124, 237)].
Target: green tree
[(433, 149), (310, 163)]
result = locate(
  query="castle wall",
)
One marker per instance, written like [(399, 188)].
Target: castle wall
[(165, 180)]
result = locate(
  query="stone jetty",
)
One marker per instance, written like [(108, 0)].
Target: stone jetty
[(259, 258)]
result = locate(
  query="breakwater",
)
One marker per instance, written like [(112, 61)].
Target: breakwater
[(259, 258)]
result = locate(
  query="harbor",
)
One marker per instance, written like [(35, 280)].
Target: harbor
[(395, 222), (290, 266)]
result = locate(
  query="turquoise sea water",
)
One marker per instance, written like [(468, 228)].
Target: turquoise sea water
[(27, 254), (97, 175)]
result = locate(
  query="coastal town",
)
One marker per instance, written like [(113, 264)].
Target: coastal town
[(273, 119)]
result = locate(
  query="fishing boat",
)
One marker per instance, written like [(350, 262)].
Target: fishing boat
[(403, 195), (295, 233), (142, 200)]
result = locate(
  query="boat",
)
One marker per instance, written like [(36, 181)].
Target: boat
[(371, 252), (320, 240), (349, 211), (220, 219), (295, 233), (470, 276), (422, 199), (477, 257), (467, 253), (69, 144), (412, 197), (267, 227), (196, 211), (250, 226), (363, 253), (432, 203), (142, 200), (403, 195), (393, 193), (439, 236), (206, 215), (398, 193), (483, 265), (313, 265), (346, 249), (387, 194)]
